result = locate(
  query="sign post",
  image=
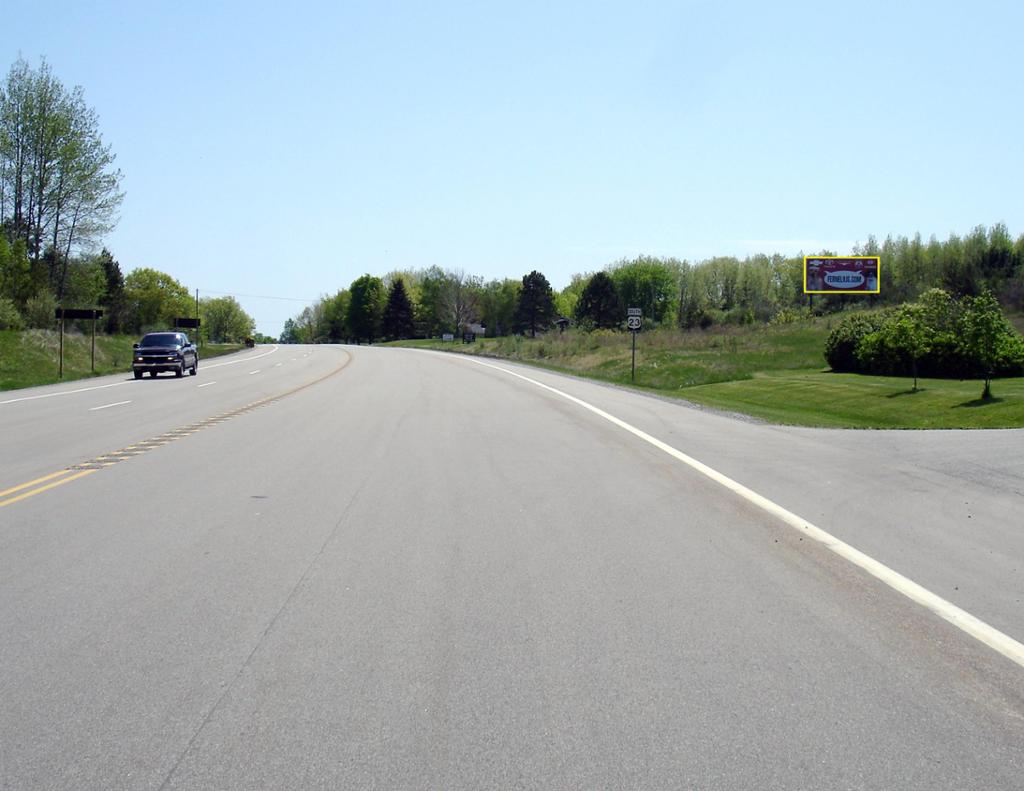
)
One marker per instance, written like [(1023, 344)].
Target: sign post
[(77, 313), (634, 321)]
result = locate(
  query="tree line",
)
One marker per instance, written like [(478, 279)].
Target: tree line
[(59, 194), (144, 300), (669, 291), (425, 303)]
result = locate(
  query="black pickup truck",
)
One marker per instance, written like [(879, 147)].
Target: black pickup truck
[(165, 351)]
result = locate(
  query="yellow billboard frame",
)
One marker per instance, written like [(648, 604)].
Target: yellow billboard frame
[(878, 268)]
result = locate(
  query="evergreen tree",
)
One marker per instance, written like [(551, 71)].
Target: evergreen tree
[(113, 299), (397, 322), (536, 308), (599, 304)]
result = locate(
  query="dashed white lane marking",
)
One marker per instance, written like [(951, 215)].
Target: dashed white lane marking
[(961, 619), (254, 372), (205, 384), (107, 406), (65, 392), (276, 365)]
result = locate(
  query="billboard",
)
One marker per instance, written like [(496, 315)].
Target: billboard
[(830, 274)]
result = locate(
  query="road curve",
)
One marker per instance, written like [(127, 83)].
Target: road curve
[(407, 570)]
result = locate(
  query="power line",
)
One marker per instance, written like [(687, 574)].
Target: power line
[(254, 296)]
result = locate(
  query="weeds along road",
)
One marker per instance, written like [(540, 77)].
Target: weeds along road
[(352, 567)]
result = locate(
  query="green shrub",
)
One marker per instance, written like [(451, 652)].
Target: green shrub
[(841, 345), (39, 311), (10, 318), (966, 339), (790, 316)]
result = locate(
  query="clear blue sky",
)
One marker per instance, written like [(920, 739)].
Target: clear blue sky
[(285, 149)]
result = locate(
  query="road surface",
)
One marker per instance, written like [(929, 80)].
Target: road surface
[(353, 567)]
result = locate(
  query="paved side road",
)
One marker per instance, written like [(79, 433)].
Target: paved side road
[(421, 573)]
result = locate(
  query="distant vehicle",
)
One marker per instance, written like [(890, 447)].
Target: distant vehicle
[(165, 351), (250, 343)]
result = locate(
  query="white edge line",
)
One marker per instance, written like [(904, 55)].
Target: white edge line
[(242, 360), (107, 406), (961, 619)]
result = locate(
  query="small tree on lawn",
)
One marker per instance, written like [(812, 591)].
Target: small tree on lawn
[(909, 335), (984, 334)]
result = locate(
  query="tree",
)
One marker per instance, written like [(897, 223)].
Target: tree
[(459, 303), (335, 310), (429, 312), (568, 298), (311, 325), (599, 304), (289, 334), (113, 297), (366, 307), (15, 272), (652, 284), (58, 188), (224, 320), (397, 321), (498, 303), (909, 335), (153, 299), (986, 337), (84, 283), (536, 307)]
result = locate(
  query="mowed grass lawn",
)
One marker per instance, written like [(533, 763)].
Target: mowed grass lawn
[(31, 357), (823, 398), (775, 373)]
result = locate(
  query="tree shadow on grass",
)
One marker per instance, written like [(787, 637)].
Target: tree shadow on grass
[(905, 393), (978, 402)]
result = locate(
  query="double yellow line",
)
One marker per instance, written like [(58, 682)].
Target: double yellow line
[(40, 485)]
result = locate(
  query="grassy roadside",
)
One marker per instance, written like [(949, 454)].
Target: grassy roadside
[(30, 358), (775, 373)]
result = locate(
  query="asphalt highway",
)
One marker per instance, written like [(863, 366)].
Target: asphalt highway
[(356, 567)]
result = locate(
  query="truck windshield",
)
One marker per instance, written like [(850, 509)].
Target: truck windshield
[(161, 339)]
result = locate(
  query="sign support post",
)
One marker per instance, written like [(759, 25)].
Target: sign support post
[(632, 367), (77, 313), (93, 366), (634, 321)]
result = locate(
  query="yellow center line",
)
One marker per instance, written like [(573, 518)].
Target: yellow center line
[(21, 486), (34, 492)]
